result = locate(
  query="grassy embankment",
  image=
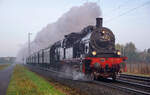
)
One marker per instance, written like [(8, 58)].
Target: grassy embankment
[(25, 82), (3, 66)]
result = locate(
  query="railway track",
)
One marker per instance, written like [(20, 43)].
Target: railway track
[(123, 88), (137, 85), (122, 85), (135, 77)]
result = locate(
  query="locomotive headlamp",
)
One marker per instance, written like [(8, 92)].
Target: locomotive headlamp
[(118, 53), (103, 32), (94, 53)]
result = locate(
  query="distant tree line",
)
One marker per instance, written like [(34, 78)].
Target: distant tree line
[(7, 59), (133, 54)]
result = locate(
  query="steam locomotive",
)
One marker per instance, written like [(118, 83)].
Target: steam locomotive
[(91, 51)]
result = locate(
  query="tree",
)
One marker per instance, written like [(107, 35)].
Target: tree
[(120, 48), (133, 55), (130, 52), (148, 50), (147, 59)]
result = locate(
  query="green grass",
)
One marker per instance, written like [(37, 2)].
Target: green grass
[(25, 82), (3, 66)]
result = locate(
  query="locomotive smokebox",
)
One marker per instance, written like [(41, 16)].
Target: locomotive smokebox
[(99, 22)]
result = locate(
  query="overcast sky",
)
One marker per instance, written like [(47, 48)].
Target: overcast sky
[(128, 19)]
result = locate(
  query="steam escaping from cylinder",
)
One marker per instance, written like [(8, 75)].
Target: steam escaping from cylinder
[(69, 73), (72, 21)]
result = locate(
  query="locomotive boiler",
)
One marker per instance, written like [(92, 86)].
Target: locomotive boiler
[(91, 51)]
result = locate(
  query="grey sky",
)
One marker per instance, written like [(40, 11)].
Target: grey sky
[(18, 17)]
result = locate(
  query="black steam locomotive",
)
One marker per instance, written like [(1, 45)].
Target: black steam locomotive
[(91, 51)]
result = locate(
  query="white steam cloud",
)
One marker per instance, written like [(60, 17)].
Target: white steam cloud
[(72, 21)]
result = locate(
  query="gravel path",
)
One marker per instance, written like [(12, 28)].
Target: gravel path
[(5, 76)]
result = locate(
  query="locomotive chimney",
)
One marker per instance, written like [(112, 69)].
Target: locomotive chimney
[(99, 22)]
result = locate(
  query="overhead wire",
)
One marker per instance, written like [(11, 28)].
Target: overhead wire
[(130, 10), (118, 7)]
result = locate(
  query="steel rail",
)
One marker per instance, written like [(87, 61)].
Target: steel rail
[(138, 85), (126, 89), (141, 78)]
